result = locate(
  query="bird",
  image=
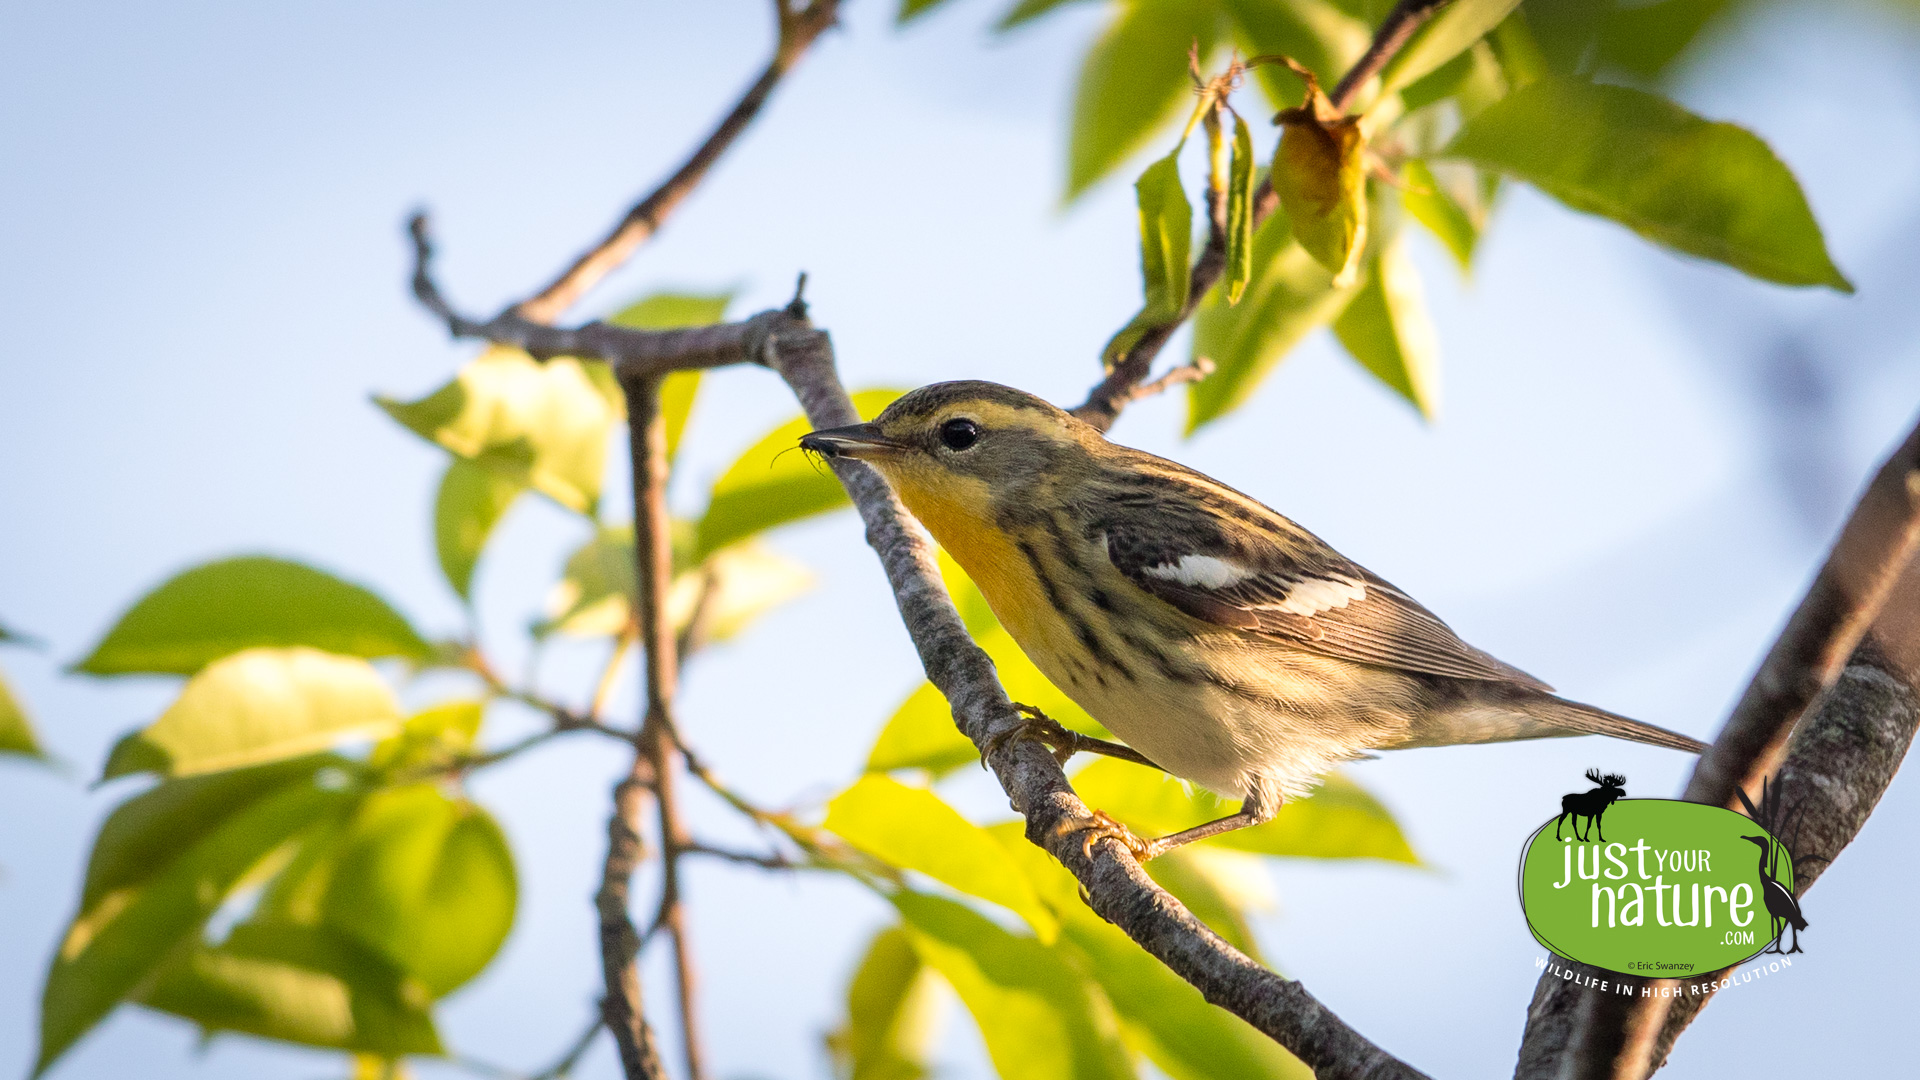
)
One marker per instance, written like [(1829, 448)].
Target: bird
[(1781, 906), (1225, 644)]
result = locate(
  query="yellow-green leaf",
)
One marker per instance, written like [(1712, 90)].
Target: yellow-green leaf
[(773, 483), (912, 828), (1434, 206), (1040, 1019), (893, 1013), (16, 731), (669, 311), (594, 598), (548, 421), (1338, 821), (1448, 34), (124, 933), (260, 705), (1166, 236), (298, 984), (434, 735), (1133, 81), (1291, 294), (1705, 188), (921, 734), (425, 880), (473, 497), (1320, 176), (1387, 330), (1240, 213), (1219, 887), (211, 611)]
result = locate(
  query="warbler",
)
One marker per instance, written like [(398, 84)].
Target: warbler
[(1223, 642)]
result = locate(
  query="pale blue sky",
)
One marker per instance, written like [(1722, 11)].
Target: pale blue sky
[(203, 281)]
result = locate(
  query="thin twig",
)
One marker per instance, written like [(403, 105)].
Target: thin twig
[(1392, 36), (797, 30), (774, 861), (622, 1007)]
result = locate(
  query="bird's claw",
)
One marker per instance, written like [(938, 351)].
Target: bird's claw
[(1035, 726), (1104, 827)]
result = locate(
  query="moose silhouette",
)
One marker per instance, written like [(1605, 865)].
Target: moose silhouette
[(1591, 804)]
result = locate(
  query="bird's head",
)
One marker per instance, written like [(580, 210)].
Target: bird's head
[(966, 448)]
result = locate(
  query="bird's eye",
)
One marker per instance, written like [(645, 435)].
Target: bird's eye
[(959, 434)]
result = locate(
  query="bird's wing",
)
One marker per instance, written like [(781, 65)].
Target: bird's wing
[(1273, 578)]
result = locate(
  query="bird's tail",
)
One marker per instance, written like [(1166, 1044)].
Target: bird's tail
[(1573, 718)]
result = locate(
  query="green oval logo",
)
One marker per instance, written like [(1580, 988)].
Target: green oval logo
[(1656, 887)]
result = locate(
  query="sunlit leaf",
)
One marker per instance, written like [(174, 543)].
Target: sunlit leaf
[(1291, 294), (913, 9), (1166, 236), (773, 483), (1039, 1018), (549, 421), (157, 888), (1521, 58), (1445, 36), (1319, 173), (472, 499), (669, 311), (260, 705), (921, 734), (1434, 206), (1219, 887), (1318, 34), (912, 828), (210, 611), (1179, 1031), (16, 730), (893, 1013), (433, 735), (1133, 81), (1701, 187), (299, 984), (1387, 330), (425, 880), (1338, 821), (1027, 10), (1240, 214), (737, 585)]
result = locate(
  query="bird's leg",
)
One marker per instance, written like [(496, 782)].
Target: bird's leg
[(1254, 811), (1037, 726)]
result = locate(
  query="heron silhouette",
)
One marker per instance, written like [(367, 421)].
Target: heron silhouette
[(1781, 906)]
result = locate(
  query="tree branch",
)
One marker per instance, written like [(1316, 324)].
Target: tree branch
[(1848, 662), (622, 1008), (798, 27)]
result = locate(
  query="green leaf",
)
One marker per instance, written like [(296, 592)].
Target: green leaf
[(473, 498), (677, 392), (1166, 236), (1240, 213), (1445, 36), (157, 888), (773, 483), (549, 422), (1320, 176), (1432, 205), (670, 311), (595, 597), (299, 984), (921, 735), (260, 705), (893, 1013), (1133, 81), (1646, 39), (16, 730), (1219, 887), (1705, 188), (434, 736), (1387, 330), (912, 828), (425, 880), (1027, 10), (1039, 1018), (1318, 34), (913, 9), (1179, 1031), (210, 611), (1338, 821), (1291, 294)]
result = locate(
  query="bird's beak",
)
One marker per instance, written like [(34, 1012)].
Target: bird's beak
[(854, 441)]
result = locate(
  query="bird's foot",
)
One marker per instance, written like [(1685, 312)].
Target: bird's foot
[(1104, 827), (1036, 726)]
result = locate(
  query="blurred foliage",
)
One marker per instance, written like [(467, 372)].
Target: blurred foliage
[(16, 729), (302, 861)]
